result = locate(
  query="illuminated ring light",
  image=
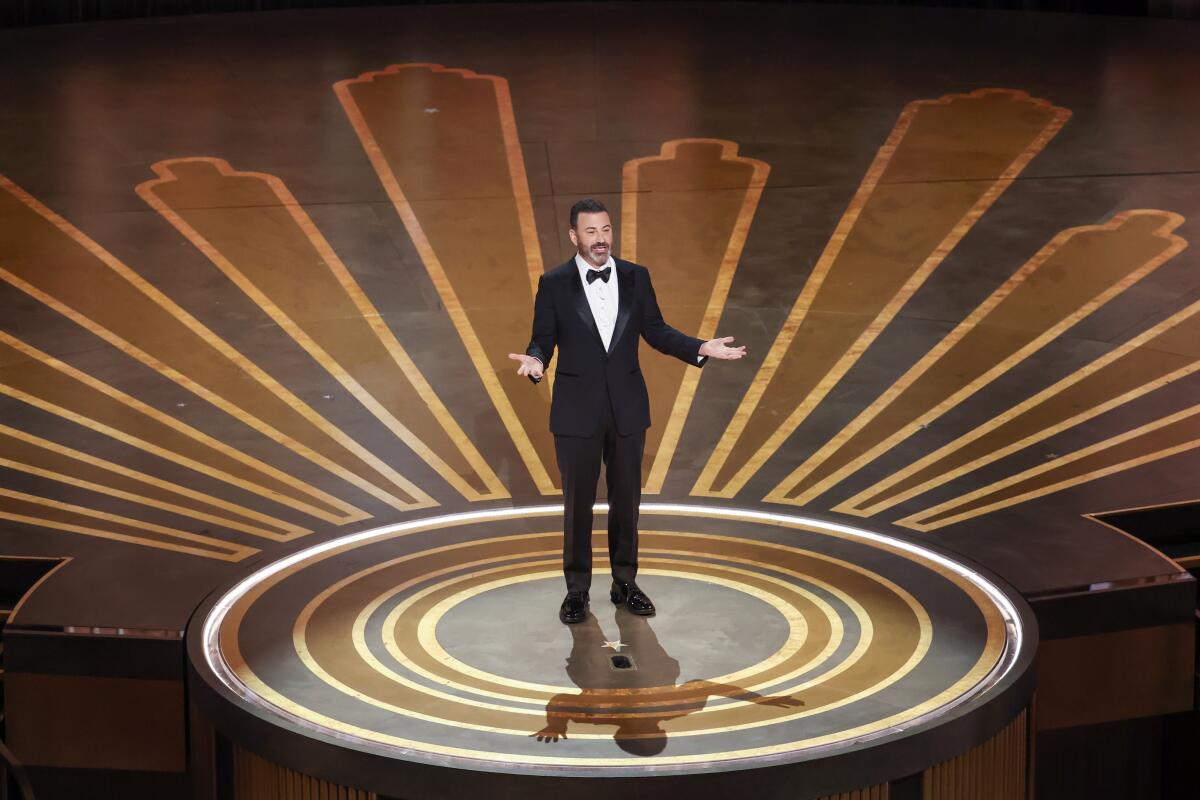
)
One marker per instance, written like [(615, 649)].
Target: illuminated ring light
[(235, 675)]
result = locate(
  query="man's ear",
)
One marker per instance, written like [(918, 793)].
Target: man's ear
[(573, 237)]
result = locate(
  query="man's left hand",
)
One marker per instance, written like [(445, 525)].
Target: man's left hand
[(718, 348)]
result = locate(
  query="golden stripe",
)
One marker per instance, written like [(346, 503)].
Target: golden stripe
[(422, 499), (693, 197), (232, 654), (270, 695), (359, 626), (76, 393), (705, 571), (1146, 361), (308, 260), (921, 647), (300, 643), (521, 412), (542, 692), (901, 162), (23, 458), (1110, 258), (231, 552), (943, 514), (275, 390)]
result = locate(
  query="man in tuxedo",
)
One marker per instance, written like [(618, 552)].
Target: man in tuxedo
[(594, 308)]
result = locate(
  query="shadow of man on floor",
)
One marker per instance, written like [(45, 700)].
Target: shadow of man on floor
[(637, 698)]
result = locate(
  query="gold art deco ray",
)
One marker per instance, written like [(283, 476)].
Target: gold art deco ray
[(40, 380), (1165, 352), (686, 214), (37, 456), (444, 144), (98, 292), (1080, 270), (1161, 438), (908, 214), (253, 229), (54, 514)]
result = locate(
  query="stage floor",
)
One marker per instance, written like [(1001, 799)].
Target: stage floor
[(777, 639), (266, 293), (260, 276)]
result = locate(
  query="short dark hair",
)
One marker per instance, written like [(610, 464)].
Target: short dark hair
[(588, 206)]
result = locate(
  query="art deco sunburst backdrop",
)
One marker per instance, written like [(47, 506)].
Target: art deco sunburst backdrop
[(446, 149)]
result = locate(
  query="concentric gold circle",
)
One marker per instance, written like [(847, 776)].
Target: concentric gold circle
[(386, 654), (427, 637)]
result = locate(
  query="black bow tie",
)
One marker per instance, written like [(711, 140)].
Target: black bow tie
[(602, 274)]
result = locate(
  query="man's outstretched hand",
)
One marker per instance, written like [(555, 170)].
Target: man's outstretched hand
[(529, 365), (718, 348)]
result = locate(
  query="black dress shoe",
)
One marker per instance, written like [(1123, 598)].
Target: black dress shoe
[(574, 607), (635, 599)]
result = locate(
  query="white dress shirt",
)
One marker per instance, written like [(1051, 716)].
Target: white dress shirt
[(601, 296)]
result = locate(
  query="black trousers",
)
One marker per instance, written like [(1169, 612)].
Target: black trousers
[(579, 459)]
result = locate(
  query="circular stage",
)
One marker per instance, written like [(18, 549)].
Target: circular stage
[(780, 641), (261, 276)]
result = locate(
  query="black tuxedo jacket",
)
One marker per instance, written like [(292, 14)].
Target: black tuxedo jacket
[(587, 375)]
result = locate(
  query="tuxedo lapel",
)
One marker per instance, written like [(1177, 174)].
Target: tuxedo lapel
[(579, 298), (624, 302)]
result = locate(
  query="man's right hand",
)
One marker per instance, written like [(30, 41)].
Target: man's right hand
[(530, 366)]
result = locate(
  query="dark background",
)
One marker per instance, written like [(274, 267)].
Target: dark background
[(15, 13)]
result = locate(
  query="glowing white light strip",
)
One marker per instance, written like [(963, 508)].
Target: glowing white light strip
[(216, 616)]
